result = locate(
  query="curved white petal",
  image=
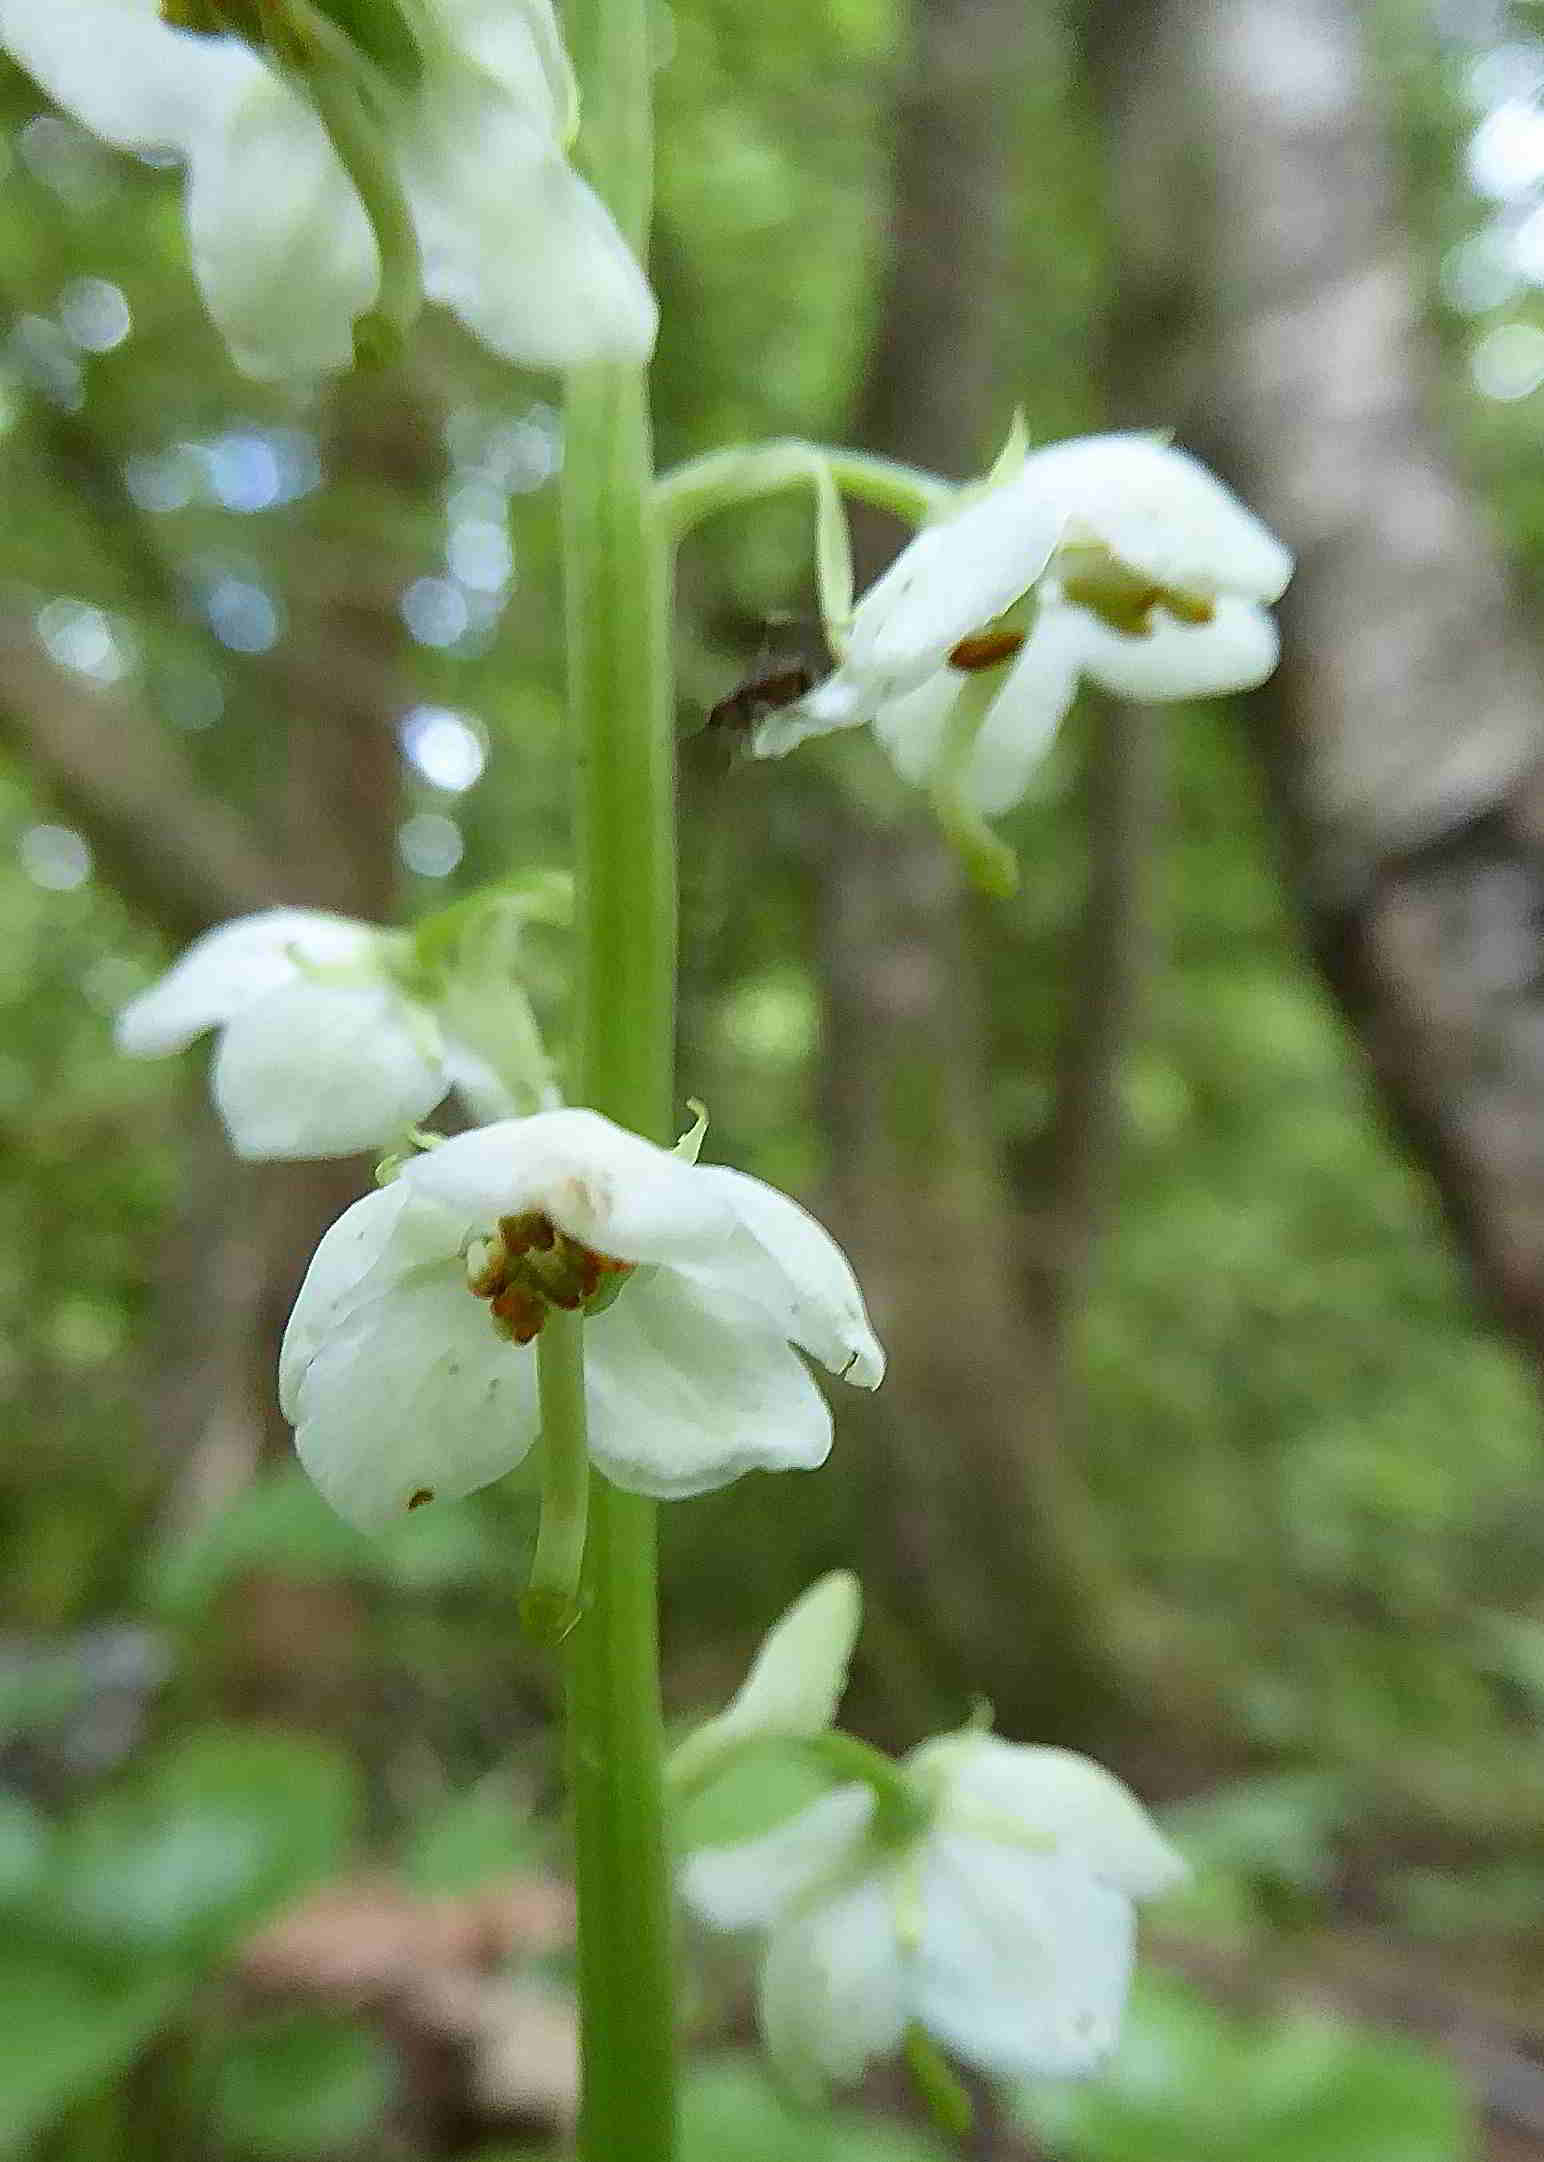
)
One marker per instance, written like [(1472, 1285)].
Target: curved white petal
[(1234, 652), (780, 1259), (319, 1069), (834, 1989), (346, 1269), (795, 1682), (282, 250), (413, 1394), (122, 71), (1025, 1960), (1000, 1790), (521, 47), (231, 967), (912, 727), (606, 1187), (754, 1883), (1161, 512), (475, 1082), (1020, 727), (840, 701), (953, 578), (513, 240), (690, 1387)]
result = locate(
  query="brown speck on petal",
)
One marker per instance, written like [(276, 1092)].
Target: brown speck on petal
[(985, 650)]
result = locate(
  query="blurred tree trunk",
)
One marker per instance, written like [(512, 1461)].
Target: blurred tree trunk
[(1271, 311), (323, 835), (971, 1500)]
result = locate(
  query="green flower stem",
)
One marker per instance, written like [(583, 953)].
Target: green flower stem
[(550, 1606), (364, 153), (619, 695), (689, 493), (988, 862)]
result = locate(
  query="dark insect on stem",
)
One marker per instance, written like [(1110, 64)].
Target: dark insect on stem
[(985, 650), (743, 708)]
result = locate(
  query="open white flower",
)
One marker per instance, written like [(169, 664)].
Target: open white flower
[(320, 1053), (407, 1370), (1000, 1921), (1114, 557), (468, 136)]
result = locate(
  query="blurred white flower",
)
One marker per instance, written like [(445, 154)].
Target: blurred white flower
[(320, 1053), (999, 1921), (463, 114), (406, 1368), (1115, 557)]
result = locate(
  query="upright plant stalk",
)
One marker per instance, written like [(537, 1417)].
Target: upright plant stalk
[(621, 715)]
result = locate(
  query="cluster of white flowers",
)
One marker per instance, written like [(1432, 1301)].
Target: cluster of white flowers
[(462, 111), (1114, 557), (979, 1890), (345, 159)]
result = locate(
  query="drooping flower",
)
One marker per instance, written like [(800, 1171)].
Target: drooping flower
[(997, 1916), (407, 1369), (320, 1052), (461, 109), (1114, 557)]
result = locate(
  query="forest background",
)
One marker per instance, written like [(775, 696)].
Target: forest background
[(1198, 1190)]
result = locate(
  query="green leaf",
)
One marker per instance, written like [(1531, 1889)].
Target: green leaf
[(1189, 2079), (24, 1838), (302, 2084), (731, 2112), (480, 1835), (280, 1522), (220, 1832), (68, 2028), (763, 1787)]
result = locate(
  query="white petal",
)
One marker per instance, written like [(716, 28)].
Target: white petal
[(604, 1186), (412, 1394), (1162, 513), (282, 249), (343, 1270), (840, 701), (319, 1069), (122, 71), (953, 578), (228, 968), (689, 1388), (521, 47), (754, 1883), (514, 241), (1025, 1960), (1079, 1810), (1037, 689), (779, 1258), (834, 1988), (1234, 652), (796, 1679), (912, 727)]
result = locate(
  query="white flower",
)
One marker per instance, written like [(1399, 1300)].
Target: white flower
[(320, 1054), (1003, 1926), (1139, 570), (283, 250), (406, 1368)]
